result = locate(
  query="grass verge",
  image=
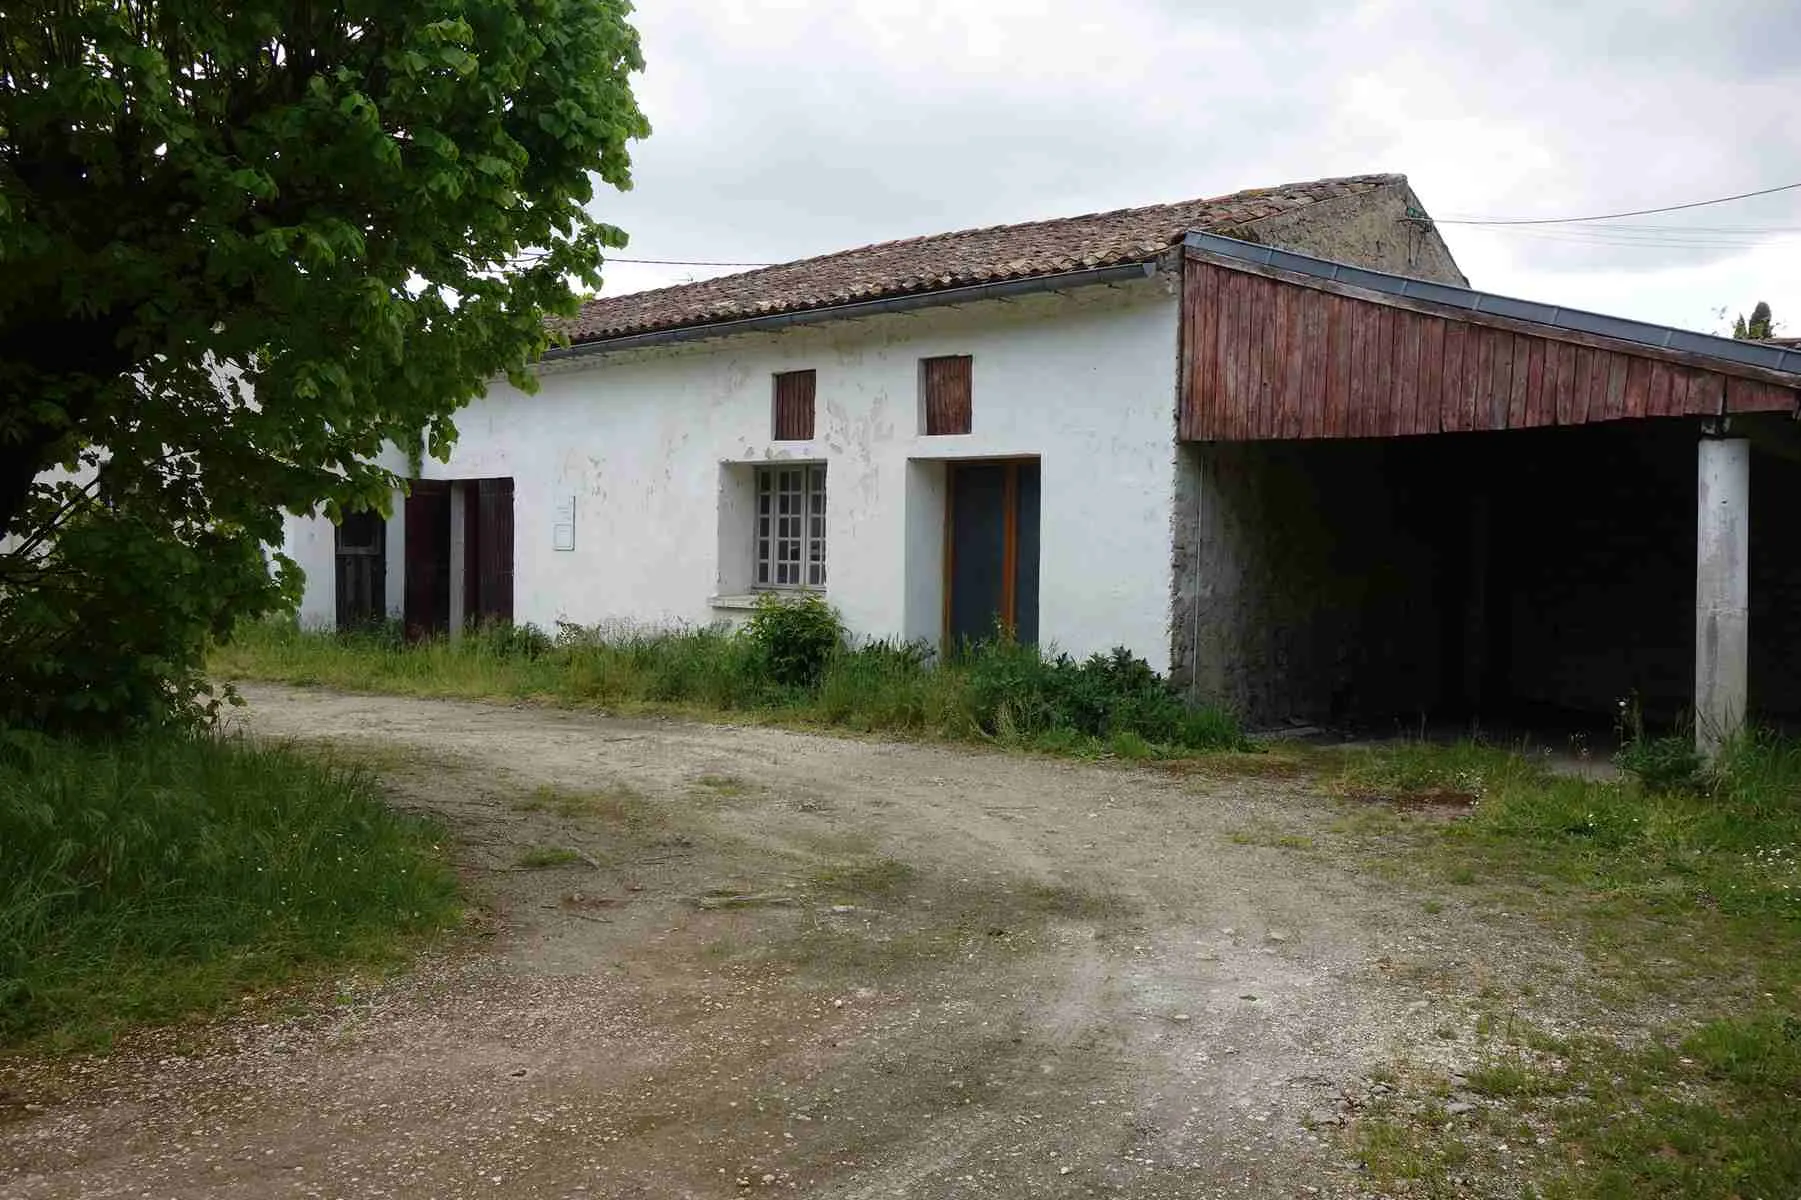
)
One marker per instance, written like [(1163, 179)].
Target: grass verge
[(1000, 692), (146, 881), (1686, 899)]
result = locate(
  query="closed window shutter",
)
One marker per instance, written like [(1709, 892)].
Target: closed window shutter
[(794, 406), (947, 394)]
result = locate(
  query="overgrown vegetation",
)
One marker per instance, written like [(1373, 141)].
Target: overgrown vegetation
[(153, 879), (1667, 762), (1687, 883), (249, 248), (791, 661)]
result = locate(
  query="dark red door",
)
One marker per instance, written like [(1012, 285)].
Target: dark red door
[(427, 607)]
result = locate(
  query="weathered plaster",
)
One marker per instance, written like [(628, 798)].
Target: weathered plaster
[(1375, 229), (1305, 591), (656, 447)]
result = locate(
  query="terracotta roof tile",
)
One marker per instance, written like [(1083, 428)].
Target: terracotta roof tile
[(948, 260)]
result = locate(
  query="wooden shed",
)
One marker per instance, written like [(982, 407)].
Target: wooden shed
[(1402, 498)]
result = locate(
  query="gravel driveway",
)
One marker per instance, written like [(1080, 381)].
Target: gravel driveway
[(759, 961)]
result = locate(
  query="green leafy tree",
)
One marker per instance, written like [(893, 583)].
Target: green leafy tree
[(244, 247), (1757, 326)]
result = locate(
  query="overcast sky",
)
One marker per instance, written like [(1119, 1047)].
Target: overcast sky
[(789, 129)]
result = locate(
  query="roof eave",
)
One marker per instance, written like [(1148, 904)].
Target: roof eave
[(905, 302)]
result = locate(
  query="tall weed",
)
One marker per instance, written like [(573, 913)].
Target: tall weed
[(143, 880)]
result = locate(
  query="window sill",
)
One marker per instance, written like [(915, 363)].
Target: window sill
[(748, 600)]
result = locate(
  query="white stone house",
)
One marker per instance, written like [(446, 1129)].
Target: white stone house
[(639, 468), (1196, 430)]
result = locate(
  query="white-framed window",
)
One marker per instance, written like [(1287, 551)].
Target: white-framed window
[(791, 526)]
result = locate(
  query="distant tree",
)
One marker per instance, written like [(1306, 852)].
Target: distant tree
[(1757, 326), (243, 247)]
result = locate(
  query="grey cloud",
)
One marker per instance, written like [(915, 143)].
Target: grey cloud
[(782, 135)]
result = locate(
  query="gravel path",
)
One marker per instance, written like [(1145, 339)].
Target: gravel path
[(803, 965)]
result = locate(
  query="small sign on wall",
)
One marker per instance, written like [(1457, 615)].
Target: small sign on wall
[(562, 533)]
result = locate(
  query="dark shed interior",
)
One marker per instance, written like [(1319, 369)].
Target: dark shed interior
[(1529, 579)]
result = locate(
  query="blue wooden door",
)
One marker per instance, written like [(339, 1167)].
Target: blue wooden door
[(992, 559)]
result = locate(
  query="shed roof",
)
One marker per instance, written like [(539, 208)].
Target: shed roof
[(1280, 345), (949, 260)]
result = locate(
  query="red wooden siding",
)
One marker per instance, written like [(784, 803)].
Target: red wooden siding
[(946, 386), (1274, 358), (793, 419)]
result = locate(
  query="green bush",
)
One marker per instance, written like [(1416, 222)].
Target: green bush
[(1665, 764), (1019, 690), (105, 631), (144, 880), (796, 637)]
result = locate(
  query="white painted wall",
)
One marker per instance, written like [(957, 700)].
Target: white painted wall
[(646, 441), (310, 542)]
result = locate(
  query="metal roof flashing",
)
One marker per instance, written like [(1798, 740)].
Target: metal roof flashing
[(1753, 354)]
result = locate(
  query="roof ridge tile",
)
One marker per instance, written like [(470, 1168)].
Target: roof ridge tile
[(934, 261)]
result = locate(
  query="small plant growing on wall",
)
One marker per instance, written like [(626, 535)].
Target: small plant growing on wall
[(795, 637)]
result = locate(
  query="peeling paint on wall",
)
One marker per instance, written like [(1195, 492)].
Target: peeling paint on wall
[(1084, 380)]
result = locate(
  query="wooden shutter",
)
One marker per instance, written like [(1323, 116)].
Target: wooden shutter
[(427, 585), (946, 382), (794, 406), (494, 572), (362, 569)]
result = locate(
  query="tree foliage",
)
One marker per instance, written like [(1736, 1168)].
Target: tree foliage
[(1758, 326), (243, 248)]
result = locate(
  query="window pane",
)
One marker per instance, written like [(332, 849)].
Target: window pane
[(790, 526)]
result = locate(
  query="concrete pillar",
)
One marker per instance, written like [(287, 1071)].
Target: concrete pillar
[(1722, 588), (459, 536)]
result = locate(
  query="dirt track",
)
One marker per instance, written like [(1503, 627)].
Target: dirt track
[(805, 965)]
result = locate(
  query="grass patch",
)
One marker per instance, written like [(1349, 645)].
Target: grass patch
[(876, 916), (617, 804), (536, 857), (1109, 705), (1731, 851), (723, 786), (1691, 892), (147, 881), (863, 878), (1414, 774), (1708, 1114)]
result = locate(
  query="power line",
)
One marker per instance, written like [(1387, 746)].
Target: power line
[(1567, 237), (683, 262), (1637, 212), (1647, 234)]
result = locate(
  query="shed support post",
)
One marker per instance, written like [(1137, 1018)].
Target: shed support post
[(1722, 587), (459, 538)]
